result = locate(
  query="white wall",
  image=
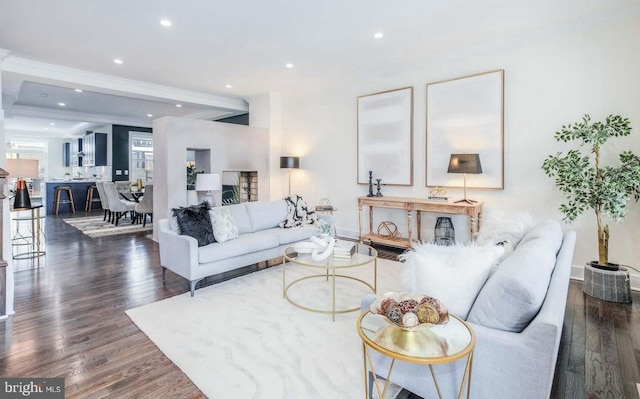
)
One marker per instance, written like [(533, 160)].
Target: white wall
[(233, 148), (549, 81)]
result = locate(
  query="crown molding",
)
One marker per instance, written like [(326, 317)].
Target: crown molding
[(3, 54), (46, 73), (21, 110)]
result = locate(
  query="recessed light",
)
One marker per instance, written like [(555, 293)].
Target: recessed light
[(78, 90), (289, 65), (179, 105), (52, 124), (228, 86), (62, 104), (150, 115), (378, 35), (165, 22), (118, 61)]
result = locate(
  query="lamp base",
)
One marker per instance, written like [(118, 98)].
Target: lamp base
[(465, 200), (210, 199), (22, 199)]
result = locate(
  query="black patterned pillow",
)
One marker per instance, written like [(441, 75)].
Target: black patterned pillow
[(195, 221)]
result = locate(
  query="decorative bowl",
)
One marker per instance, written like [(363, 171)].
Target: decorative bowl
[(409, 311)]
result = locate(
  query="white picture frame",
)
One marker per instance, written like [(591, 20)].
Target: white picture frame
[(466, 115), (385, 137)]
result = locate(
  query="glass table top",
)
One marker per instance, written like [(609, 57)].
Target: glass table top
[(363, 254), (430, 345)]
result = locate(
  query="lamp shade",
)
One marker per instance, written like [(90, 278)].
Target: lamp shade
[(289, 162), (22, 168), (465, 163), (208, 182)]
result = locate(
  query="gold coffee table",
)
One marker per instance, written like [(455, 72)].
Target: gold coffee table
[(439, 344), (331, 269)]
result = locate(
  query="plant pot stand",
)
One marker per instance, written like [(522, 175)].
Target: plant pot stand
[(608, 285)]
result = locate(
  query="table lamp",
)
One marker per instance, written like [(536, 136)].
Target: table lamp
[(208, 182), (289, 163), (465, 163), (22, 168)]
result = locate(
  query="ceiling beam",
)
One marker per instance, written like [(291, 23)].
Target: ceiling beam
[(55, 74)]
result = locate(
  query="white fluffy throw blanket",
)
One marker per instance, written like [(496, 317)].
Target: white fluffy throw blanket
[(298, 213)]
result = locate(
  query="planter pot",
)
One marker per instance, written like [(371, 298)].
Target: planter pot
[(612, 267), (607, 284)]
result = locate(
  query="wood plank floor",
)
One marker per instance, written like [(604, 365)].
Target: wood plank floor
[(70, 323)]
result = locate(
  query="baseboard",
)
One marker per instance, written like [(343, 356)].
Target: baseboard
[(577, 273)]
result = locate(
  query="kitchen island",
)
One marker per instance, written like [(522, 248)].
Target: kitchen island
[(79, 189)]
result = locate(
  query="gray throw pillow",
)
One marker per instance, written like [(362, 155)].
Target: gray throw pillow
[(195, 221)]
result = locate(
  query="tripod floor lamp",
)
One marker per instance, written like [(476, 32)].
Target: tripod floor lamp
[(465, 163), (290, 163)]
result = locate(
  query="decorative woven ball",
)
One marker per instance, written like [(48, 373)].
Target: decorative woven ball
[(386, 304), (427, 314), (408, 306), (394, 314), (410, 320), (388, 230)]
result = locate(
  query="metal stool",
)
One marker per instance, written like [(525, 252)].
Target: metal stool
[(57, 201), (90, 199)]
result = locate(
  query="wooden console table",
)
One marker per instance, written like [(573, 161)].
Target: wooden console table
[(474, 211)]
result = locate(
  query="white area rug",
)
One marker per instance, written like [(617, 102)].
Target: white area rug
[(241, 339), (94, 226)]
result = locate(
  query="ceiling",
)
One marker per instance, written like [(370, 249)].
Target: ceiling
[(243, 44)]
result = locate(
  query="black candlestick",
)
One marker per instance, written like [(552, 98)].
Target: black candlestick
[(378, 194), (370, 185)]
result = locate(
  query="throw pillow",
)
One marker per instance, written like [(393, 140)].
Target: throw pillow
[(194, 221), (453, 274), (298, 213), (224, 228), (513, 295), (500, 226)]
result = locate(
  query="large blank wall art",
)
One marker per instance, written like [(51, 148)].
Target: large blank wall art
[(385, 137), (465, 115)]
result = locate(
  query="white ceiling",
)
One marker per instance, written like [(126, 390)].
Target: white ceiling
[(246, 44)]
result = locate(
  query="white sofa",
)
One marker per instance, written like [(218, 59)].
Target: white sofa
[(507, 363), (259, 239)]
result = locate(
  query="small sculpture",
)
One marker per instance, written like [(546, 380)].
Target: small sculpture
[(378, 194), (370, 184)]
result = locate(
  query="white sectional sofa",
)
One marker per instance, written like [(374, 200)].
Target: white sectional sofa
[(517, 339), (259, 239)]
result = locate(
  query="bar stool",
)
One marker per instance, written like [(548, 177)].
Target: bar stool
[(90, 199), (57, 200)]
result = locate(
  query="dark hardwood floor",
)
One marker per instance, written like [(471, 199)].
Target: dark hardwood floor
[(70, 323)]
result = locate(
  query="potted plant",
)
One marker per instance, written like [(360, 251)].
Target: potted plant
[(587, 184)]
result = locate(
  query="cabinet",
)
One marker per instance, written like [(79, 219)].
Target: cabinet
[(66, 154), (94, 149), (410, 205), (76, 149)]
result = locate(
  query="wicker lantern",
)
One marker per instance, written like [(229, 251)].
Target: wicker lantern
[(444, 233)]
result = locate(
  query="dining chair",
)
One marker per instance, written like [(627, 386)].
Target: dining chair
[(145, 207), (103, 200), (118, 207)]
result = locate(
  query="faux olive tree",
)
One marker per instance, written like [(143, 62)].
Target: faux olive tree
[(586, 183)]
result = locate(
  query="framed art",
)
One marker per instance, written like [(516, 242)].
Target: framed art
[(385, 137), (466, 116)]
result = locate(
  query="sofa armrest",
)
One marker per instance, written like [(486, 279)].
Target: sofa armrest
[(178, 253)]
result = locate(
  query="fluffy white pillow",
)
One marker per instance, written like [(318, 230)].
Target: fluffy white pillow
[(224, 227), (453, 274), (499, 226)]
